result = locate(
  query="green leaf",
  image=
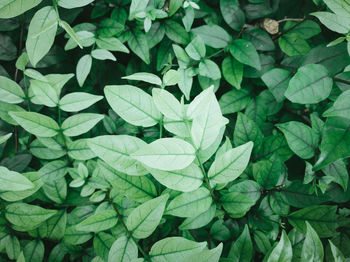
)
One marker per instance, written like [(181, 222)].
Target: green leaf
[(282, 251), (138, 188), (312, 248), (10, 91), (340, 108), (83, 68), (210, 69), (99, 221), (322, 218), (138, 44), (27, 216), (334, 22), (232, 14), (144, 219), (337, 254), (111, 44), (173, 249), (301, 138), (34, 250), (80, 123), (234, 101), (190, 204), (247, 130), (167, 104), (13, 181), (259, 38), (174, 5), (4, 138), (54, 228), (136, 7), (14, 8), (123, 249), (199, 220), (109, 27), (293, 45), (268, 172), (13, 247), (335, 140), (69, 4), (230, 165), (175, 32), (102, 54), (70, 31), (232, 71), (77, 101), (236, 204), (41, 34), (185, 180), (213, 35), (338, 172), (36, 124), (196, 49), (305, 30), (245, 52), (242, 248), (166, 154), (116, 151), (310, 85), (145, 77), (212, 255), (277, 81), (132, 104)]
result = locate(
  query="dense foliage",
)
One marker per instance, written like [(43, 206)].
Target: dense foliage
[(157, 130)]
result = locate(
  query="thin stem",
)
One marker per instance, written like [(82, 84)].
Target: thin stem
[(55, 5), (120, 217), (216, 53), (161, 128), (59, 115), (289, 29), (290, 19), (336, 79)]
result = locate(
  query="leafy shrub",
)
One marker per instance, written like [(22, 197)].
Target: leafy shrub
[(156, 130)]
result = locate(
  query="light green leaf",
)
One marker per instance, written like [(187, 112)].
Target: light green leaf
[(35, 123), (166, 154), (337, 254), (14, 8), (340, 107), (4, 138), (83, 68), (336, 23), (102, 54), (111, 44), (230, 165), (245, 52), (196, 49), (301, 138), (310, 85), (136, 7), (70, 31), (73, 4), (185, 180), (13, 181), (282, 251), (322, 218), (80, 123), (78, 101), (100, 221), (123, 249), (174, 249), (12, 246), (10, 91), (170, 78), (210, 69), (145, 77), (116, 151), (190, 204), (237, 204), (212, 255), (144, 219), (232, 71), (199, 221), (44, 93), (312, 248), (132, 104), (338, 172), (55, 227), (175, 32), (242, 248), (80, 150), (213, 35), (27, 216), (167, 104), (232, 14), (41, 34)]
